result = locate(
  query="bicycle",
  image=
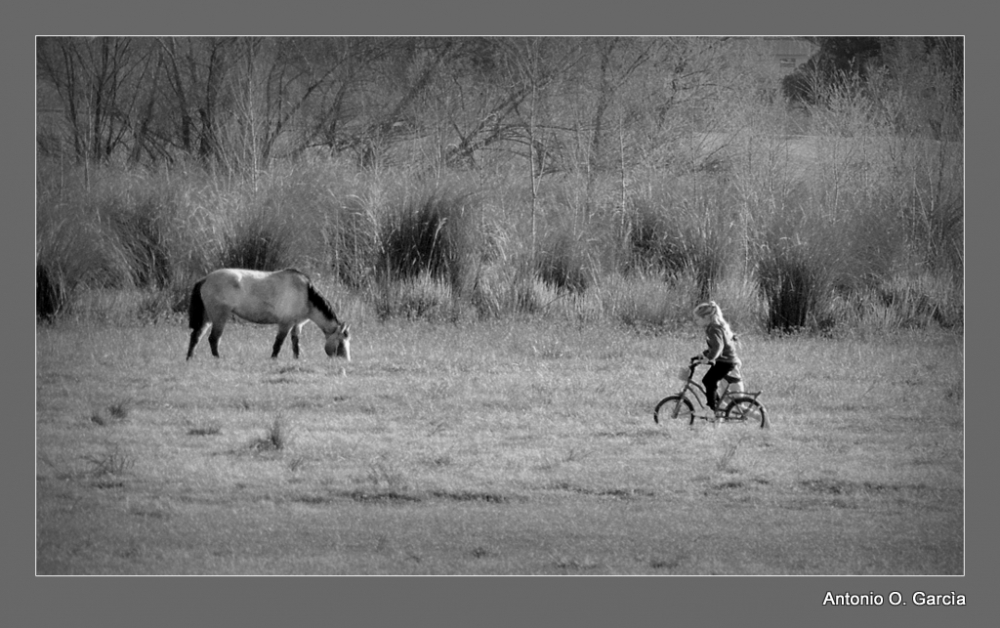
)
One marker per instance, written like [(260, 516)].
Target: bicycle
[(741, 407)]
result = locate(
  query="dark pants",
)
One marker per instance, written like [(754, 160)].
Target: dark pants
[(730, 371)]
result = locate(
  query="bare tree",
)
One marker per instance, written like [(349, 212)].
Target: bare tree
[(490, 95), (196, 69), (100, 82)]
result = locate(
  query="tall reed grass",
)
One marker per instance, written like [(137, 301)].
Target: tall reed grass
[(825, 234)]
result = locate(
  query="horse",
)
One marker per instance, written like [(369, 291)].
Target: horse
[(285, 298)]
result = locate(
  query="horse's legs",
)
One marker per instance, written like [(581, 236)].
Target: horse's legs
[(295, 338), (282, 332), (196, 335), (213, 338)]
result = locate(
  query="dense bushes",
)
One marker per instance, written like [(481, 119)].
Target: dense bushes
[(49, 294), (820, 250), (433, 230), (259, 240), (572, 177)]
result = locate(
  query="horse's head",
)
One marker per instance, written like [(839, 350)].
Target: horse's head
[(338, 342)]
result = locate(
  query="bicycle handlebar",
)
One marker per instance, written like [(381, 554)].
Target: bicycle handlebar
[(694, 363)]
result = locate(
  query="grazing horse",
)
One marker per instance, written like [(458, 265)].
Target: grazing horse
[(285, 298)]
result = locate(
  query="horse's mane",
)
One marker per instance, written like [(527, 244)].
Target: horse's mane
[(315, 298), (319, 302)]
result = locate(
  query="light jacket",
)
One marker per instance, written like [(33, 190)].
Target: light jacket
[(721, 347)]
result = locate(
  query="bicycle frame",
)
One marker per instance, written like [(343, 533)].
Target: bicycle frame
[(699, 394), (698, 391)]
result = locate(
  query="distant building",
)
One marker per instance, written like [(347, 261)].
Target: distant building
[(789, 52)]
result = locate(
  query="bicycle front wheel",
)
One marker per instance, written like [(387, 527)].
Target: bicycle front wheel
[(674, 408), (747, 411)]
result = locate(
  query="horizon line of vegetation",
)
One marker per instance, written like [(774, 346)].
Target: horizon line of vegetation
[(530, 176)]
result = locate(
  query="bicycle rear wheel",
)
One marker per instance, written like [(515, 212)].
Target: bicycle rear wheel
[(674, 408), (747, 411)]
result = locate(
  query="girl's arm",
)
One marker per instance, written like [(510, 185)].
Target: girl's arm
[(716, 342)]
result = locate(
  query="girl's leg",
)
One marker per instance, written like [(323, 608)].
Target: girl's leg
[(711, 381), (735, 379)]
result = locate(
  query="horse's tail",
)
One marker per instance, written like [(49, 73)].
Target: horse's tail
[(196, 310)]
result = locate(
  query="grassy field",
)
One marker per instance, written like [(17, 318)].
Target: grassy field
[(491, 448)]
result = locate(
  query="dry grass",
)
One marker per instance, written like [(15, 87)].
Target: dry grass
[(792, 253), (493, 449)]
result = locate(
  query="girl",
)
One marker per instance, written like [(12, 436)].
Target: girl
[(721, 352)]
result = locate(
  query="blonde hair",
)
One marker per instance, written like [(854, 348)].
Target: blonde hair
[(711, 310)]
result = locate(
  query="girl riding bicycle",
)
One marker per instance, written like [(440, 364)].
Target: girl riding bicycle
[(721, 352)]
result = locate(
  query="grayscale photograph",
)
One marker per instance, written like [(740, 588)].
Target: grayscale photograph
[(501, 306)]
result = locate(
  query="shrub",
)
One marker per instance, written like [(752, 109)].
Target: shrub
[(858, 226), (259, 240), (510, 289), (688, 229), (119, 409), (575, 243), (565, 260), (211, 429), (922, 300), (116, 460), (352, 235), (276, 437), (792, 287), (422, 296), (142, 229), (434, 230), (489, 292), (50, 293), (74, 251), (654, 242), (640, 300), (800, 246), (530, 295)]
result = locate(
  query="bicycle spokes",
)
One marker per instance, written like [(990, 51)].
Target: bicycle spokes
[(740, 407), (747, 411)]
